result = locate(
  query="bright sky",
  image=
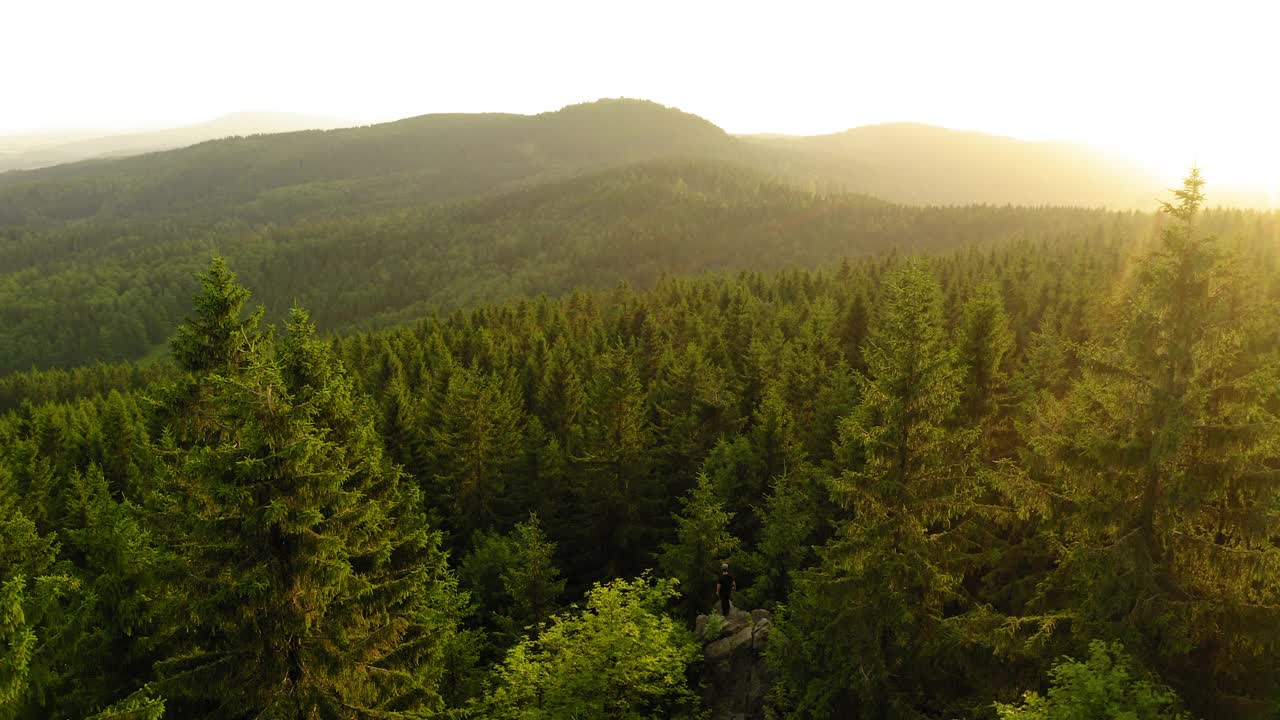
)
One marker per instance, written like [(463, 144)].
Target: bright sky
[(1172, 82)]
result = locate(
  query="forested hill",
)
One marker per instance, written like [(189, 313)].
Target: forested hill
[(385, 223), (274, 178), (108, 291), (411, 162), (922, 164)]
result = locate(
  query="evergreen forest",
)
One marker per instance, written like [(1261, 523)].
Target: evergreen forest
[(431, 452)]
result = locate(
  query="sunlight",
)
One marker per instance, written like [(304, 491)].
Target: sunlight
[(1242, 167)]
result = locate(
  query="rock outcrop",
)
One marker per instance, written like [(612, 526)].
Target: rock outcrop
[(735, 680)]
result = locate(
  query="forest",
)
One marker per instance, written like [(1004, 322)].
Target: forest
[(111, 292), (1026, 469), (374, 226)]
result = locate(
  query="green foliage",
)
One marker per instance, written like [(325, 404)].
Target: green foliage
[(273, 510), (140, 706), (216, 335), (702, 543), (17, 644), (1158, 467), (877, 604), (309, 581), (789, 520), (619, 656), (532, 581), (480, 573), (1103, 686), (513, 581)]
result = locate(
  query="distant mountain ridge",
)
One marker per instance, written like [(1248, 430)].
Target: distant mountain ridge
[(433, 158), (922, 164), (38, 150), (406, 163)]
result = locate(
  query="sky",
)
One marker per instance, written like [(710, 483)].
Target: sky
[(1172, 83)]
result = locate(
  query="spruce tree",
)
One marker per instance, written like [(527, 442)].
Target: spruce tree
[(863, 623), (1161, 465), (309, 584), (702, 543), (216, 336), (113, 561), (475, 445), (17, 645), (615, 494), (532, 580), (37, 614), (983, 348), (788, 526), (561, 396)]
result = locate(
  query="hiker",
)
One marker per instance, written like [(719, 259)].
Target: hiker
[(724, 586)]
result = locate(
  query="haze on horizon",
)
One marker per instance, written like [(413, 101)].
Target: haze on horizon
[(1166, 83)]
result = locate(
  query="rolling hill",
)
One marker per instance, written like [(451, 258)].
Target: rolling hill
[(433, 158), (115, 291), (406, 163), (923, 164), (380, 224)]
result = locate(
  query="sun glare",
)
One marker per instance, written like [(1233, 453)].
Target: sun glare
[(1241, 168)]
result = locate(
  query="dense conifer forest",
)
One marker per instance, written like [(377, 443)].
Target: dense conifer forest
[(113, 292), (980, 462)]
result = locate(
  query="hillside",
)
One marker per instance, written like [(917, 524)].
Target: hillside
[(114, 291), (381, 224), (411, 162), (427, 159), (922, 164), (37, 150)]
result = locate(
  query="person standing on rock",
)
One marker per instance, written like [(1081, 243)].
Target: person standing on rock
[(724, 586)]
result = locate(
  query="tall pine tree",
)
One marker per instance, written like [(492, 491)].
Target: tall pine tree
[(1163, 473), (309, 583), (863, 624), (702, 543)]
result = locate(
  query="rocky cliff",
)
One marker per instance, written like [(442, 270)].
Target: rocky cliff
[(735, 680)]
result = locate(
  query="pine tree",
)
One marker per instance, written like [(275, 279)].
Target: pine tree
[(217, 335), (310, 585), (984, 344), (876, 606), (474, 447), (702, 543), (532, 581), (615, 494), (1164, 458)]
